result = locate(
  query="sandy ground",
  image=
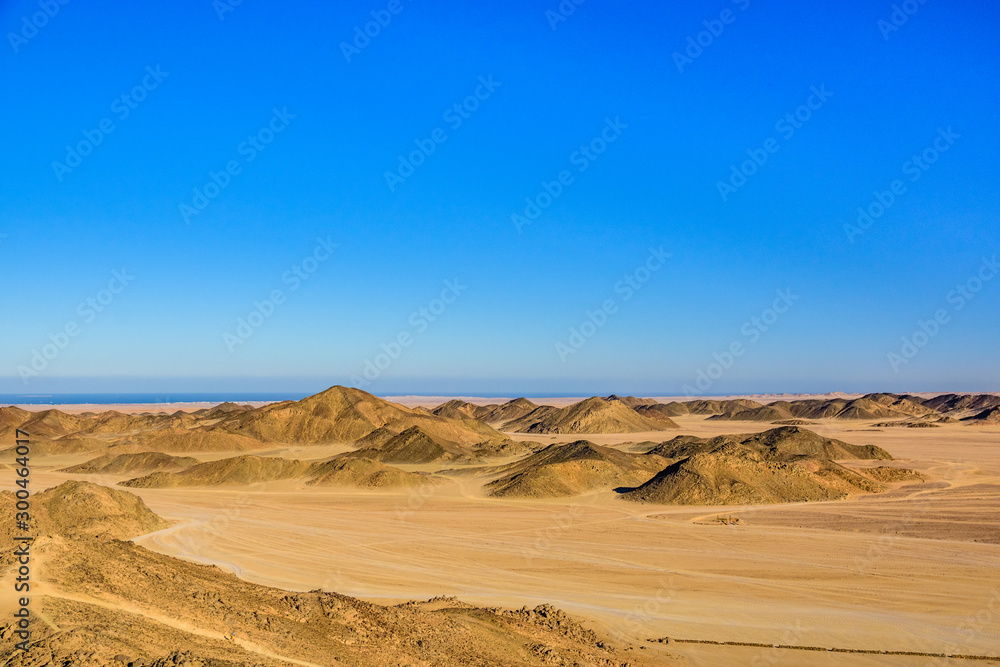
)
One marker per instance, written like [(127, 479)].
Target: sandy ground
[(914, 569)]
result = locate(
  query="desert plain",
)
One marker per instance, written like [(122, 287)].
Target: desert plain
[(458, 511)]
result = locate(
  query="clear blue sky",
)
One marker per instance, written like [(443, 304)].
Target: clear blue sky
[(520, 290)]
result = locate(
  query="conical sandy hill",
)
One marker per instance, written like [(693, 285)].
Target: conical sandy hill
[(765, 413), (593, 415), (504, 447), (411, 446), (113, 421), (342, 414), (52, 424), (497, 415), (365, 473), (788, 464), (658, 412), (195, 440), (223, 409), (124, 464), (459, 409), (70, 444), (675, 409), (813, 408), (878, 406), (793, 441), (81, 509), (781, 444), (714, 407), (572, 469), (11, 418), (534, 416), (631, 401), (732, 476)]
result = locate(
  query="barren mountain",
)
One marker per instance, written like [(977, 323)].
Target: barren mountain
[(871, 406), (714, 407), (342, 414), (365, 473), (11, 418), (788, 464), (961, 402), (674, 409), (232, 471), (509, 411), (572, 469), (733, 475), (114, 422), (222, 410), (784, 443), (505, 447), (143, 462), (51, 424), (631, 401), (411, 446), (593, 415), (70, 444), (77, 510), (988, 416), (658, 412), (459, 409), (765, 413), (193, 440)]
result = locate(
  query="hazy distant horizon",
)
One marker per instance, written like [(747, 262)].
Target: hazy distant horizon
[(630, 197), (79, 395)]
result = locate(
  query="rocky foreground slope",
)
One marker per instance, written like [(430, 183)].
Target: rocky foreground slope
[(104, 602)]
